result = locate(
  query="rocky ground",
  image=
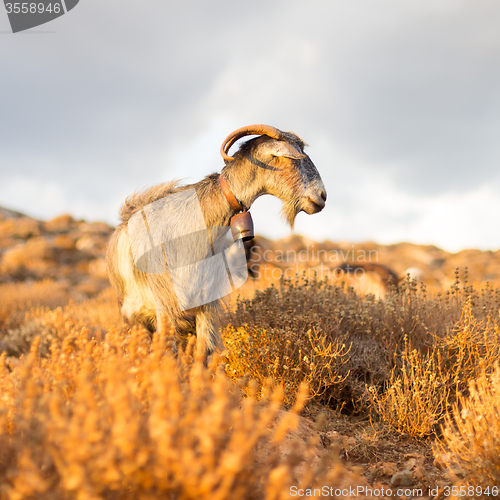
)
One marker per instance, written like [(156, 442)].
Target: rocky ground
[(71, 252), (64, 250)]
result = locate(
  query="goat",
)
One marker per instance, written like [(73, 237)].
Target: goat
[(376, 279), (273, 163)]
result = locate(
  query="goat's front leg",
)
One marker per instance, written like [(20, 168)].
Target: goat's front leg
[(208, 338), (185, 325), (162, 323)]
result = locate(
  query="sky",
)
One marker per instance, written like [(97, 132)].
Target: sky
[(399, 102)]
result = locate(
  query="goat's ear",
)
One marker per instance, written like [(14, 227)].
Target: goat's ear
[(284, 149)]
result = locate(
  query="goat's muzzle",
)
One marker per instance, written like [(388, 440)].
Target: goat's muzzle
[(314, 201)]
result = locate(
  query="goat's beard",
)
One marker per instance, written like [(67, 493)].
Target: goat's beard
[(290, 211)]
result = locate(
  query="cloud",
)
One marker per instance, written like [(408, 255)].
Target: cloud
[(399, 102), (39, 199)]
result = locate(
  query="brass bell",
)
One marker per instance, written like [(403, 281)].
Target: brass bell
[(242, 226)]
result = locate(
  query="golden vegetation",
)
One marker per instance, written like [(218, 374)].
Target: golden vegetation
[(120, 417), (420, 392), (23, 322), (471, 437), (267, 356), (416, 398), (17, 298), (471, 345), (89, 409), (340, 343)]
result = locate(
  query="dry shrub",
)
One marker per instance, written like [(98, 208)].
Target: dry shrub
[(122, 419), (16, 299), (15, 264), (95, 315), (97, 268), (274, 330), (306, 330), (30, 259), (468, 347), (99, 313), (424, 385), (269, 336), (416, 398), (288, 359), (59, 224), (65, 242), (471, 438), (22, 227)]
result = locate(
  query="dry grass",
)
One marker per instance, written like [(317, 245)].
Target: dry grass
[(406, 358), (16, 299), (417, 396), (470, 346), (122, 418), (270, 356), (471, 443), (420, 392), (92, 410), (94, 315), (355, 340)]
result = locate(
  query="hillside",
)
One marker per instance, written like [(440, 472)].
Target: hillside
[(64, 250), (71, 253)]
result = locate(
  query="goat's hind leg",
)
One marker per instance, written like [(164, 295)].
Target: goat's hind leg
[(208, 338)]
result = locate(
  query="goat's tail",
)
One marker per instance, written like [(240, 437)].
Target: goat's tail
[(140, 199)]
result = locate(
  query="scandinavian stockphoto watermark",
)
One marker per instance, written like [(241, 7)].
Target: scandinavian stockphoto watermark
[(169, 236), (26, 15), (310, 261)]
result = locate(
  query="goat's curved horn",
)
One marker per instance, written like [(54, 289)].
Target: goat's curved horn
[(249, 130)]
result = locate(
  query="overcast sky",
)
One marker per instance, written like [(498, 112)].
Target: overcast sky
[(399, 102)]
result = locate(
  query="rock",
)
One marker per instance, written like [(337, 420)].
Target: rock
[(411, 464), (344, 444), (388, 468), (419, 473), (60, 224), (5, 213), (403, 478), (414, 459)]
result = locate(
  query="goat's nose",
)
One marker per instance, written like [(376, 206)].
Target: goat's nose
[(318, 198)]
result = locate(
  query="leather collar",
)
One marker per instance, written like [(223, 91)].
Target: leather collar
[(231, 199)]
